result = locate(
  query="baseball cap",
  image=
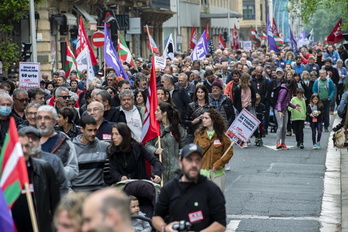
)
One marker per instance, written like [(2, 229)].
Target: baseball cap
[(30, 130), (279, 70), (189, 149)]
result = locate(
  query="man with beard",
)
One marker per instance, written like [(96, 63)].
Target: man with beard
[(34, 136), (232, 85), (190, 197), (57, 143)]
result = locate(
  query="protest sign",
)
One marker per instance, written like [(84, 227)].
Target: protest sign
[(160, 62), (29, 75), (242, 128)]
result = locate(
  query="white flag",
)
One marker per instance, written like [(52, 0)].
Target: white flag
[(169, 49)]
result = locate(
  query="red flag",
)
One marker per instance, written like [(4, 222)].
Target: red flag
[(193, 40), (207, 36), (336, 34), (275, 28), (82, 42), (151, 43), (13, 170), (151, 127), (221, 43), (235, 39)]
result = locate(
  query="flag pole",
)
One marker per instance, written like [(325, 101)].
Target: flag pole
[(148, 34), (160, 156), (227, 150), (31, 208)]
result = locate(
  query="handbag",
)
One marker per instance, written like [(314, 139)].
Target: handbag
[(340, 137)]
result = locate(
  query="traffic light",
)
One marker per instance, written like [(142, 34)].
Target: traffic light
[(225, 36), (25, 51)]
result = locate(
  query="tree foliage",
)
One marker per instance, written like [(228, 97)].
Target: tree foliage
[(307, 9)]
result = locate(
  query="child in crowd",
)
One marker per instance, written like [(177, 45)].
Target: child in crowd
[(260, 109), (138, 224), (314, 110), (298, 116)]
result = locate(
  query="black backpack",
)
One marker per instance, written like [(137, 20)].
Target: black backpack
[(274, 95)]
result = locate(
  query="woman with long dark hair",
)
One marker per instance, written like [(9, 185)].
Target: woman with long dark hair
[(211, 137), (127, 157), (196, 108), (173, 138), (245, 95), (281, 111)]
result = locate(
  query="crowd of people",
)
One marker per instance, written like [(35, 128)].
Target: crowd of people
[(82, 136)]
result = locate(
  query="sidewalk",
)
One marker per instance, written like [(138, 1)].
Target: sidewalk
[(344, 189)]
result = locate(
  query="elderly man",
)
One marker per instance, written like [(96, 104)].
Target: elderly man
[(188, 86), (107, 210), (20, 101), (111, 114), (57, 143), (45, 187), (131, 113), (179, 95), (34, 136), (30, 114), (311, 65), (61, 99), (96, 110), (6, 103)]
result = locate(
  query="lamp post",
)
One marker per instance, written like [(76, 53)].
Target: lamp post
[(228, 22), (33, 30)]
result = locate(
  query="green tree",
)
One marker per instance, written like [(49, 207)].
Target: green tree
[(307, 9), (10, 11)]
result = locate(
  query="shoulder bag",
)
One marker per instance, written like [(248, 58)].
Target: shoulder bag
[(340, 137)]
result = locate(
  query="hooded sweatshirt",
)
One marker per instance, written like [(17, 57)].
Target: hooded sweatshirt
[(91, 159)]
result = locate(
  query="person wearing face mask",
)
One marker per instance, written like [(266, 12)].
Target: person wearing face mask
[(6, 104)]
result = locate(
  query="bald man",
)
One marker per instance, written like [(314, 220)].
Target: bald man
[(107, 210)]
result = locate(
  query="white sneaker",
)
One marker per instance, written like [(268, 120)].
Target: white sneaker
[(227, 167)]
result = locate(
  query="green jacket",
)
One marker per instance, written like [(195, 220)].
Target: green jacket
[(295, 114)]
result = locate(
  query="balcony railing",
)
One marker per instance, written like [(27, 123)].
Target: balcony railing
[(161, 4)]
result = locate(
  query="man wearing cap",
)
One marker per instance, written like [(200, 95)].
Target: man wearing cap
[(34, 136), (190, 197), (221, 102)]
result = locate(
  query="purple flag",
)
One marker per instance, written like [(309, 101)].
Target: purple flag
[(293, 43), (6, 221), (270, 38), (201, 48), (111, 56)]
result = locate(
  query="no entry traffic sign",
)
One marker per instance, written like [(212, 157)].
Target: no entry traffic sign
[(98, 39)]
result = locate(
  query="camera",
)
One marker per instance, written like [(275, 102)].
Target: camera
[(182, 226)]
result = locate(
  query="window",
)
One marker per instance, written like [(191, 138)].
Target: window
[(249, 10)]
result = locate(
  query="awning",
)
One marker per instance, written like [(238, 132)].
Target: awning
[(70, 19), (92, 22)]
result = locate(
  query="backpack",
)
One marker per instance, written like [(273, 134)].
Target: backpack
[(274, 95)]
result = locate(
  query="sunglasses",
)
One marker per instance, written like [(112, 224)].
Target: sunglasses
[(65, 97), (22, 100)]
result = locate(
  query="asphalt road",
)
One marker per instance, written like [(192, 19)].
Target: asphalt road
[(276, 190)]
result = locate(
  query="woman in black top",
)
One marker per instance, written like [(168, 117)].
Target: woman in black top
[(127, 157), (65, 122)]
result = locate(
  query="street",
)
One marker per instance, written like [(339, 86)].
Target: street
[(279, 190)]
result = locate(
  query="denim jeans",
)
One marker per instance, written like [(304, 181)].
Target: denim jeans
[(282, 122)]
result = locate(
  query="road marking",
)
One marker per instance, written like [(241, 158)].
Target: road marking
[(271, 218), (270, 168), (232, 226)]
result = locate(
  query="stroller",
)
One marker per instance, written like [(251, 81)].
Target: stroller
[(147, 193)]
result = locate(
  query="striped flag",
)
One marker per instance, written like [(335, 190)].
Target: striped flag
[(278, 41), (193, 39), (124, 52), (70, 62), (270, 37), (221, 43), (151, 45), (235, 38), (13, 170), (82, 42), (275, 29), (255, 37)]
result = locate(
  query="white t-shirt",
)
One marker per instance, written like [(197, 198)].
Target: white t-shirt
[(134, 122)]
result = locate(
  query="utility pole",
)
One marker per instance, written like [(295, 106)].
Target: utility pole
[(33, 30)]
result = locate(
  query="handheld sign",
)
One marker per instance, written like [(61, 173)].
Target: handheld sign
[(242, 128), (29, 75)]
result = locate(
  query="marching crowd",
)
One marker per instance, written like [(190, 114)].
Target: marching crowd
[(82, 136)]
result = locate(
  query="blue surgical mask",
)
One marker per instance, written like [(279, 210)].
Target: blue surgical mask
[(5, 111)]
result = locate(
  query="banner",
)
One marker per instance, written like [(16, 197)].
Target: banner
[(29, 75), (201, 48), (242, 128)]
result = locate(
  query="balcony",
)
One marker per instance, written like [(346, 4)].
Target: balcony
[(161, 4)]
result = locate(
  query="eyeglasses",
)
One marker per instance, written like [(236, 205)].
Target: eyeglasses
[(93, 110), (22, 100), (110, 79), (110, 92), (65, 97), (31, 113)]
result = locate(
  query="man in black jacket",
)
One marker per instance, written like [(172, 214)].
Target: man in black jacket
[(44, 187), (190, 197)]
